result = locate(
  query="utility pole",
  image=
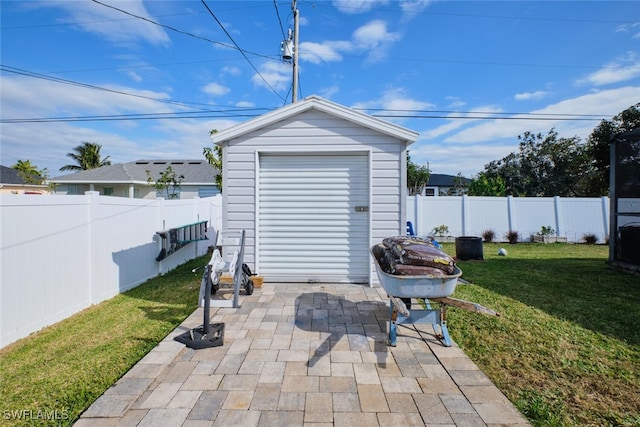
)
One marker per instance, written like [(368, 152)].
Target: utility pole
[(296, 27), (290, 50)]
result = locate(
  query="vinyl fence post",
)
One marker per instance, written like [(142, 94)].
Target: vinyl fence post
[(465, 214), (558, 215), (510, 214), (418, 214), (605, 217)]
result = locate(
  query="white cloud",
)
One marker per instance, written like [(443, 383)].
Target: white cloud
[(245, 104), (394, 102), (605, 103), (375, 38), (232, 71), (451, 159), (413, 7), (353, 7), (134, 76), (357, 6), (276, 74), (633, 29), (372, 37), (622, 69), (215, 89), (456, 122), (111, 24), (329, 91), (28, 98), (317, 52), (454, 102), (526, 96)]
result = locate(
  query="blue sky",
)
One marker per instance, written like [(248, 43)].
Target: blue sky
[(446, 69)]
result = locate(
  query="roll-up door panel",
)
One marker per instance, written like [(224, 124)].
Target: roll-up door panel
[(314, 217)]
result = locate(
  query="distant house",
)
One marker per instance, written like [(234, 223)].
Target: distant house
[(130, 179), (12, 183), (445, 185)]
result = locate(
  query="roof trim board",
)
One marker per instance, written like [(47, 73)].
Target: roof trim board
[(320, 104)]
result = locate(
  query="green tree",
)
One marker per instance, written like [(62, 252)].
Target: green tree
[(545, 165), (417, 176), (214, 158), (87, 156), (484, 185), (30, 173), (459, 186), (169, 182), (598, 148)]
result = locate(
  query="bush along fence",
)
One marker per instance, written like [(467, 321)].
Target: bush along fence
[(512, 219)]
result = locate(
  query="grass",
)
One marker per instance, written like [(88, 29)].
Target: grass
[(566, 349), (60, 370)]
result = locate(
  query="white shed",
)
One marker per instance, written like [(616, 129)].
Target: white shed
[(314, 184)]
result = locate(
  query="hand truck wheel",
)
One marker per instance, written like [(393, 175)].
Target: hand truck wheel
[(248, 288)]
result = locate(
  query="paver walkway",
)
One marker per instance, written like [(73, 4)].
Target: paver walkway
[(305, 355)]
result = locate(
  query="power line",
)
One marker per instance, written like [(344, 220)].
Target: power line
[(32, 74), (482, 112), (186, 33), (240, 50), (257, 111), (279, 20)]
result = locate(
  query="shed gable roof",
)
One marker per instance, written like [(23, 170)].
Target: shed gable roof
[(320, 104)]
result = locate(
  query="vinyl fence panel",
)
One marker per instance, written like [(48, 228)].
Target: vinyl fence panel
[(60, 254), (572, 218)]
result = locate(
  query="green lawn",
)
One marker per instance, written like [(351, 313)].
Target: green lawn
[(566, 349), (62, 369)]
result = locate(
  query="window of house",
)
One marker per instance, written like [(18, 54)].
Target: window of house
[(108, 191)]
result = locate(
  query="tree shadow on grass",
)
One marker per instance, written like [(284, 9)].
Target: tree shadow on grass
[(583, 291), (362, 323)]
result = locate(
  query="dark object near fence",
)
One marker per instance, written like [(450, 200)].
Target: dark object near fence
[(469, 248), (629, 241)]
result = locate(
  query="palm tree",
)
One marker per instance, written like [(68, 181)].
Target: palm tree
[(87, 156), (29, 172)]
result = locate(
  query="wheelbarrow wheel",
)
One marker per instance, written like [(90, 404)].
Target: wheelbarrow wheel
[(248, 288)]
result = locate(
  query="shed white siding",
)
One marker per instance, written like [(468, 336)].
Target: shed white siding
[(319, 132)]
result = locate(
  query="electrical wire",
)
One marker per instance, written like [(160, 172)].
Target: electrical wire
[(257, 111), (181, 31), (279, 20), (240, 50), (32, 74)]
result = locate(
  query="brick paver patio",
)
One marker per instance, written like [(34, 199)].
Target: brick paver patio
[(305, 355)]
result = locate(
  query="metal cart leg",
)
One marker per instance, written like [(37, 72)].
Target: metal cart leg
[(393, 333), (401, 315)]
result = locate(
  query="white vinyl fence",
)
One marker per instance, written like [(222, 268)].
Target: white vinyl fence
[(60, 254), (572, 218)]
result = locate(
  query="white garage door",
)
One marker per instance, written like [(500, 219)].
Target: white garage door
[(314, 218)]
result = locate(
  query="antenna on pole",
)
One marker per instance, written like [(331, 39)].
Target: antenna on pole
[(289, 48)]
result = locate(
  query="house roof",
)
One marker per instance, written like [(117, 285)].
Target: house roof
[(443, 180), (10, 176), (320, 104), (194, 172)]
